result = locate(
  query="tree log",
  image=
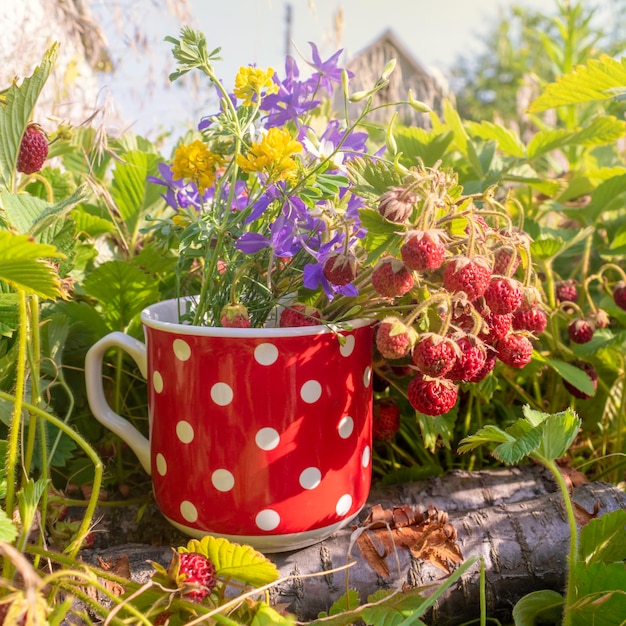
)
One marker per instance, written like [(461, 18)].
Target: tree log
[(512, 518)]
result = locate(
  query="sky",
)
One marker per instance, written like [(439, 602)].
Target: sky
[(436, 32)]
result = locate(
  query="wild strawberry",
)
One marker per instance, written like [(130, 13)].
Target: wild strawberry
[(470, 361), (469, 275), (600, 318), (162, 618), (534, 320), (396, 205), (423, 250), (235, 316), (432, 396), (4, 610), (505, 261), (515, 349), (340, 269), (503, 295), (619, 294), (33, 150), (391, 278), (494, 327), (386, 419), (193, 569), (485, 370), (299, 315), (394, 339), (566, 291), (590, 370), (581, 330), (434, 355)]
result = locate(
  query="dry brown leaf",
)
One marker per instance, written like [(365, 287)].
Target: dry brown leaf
[(572, 476), (429, 537), (583, 517), (120, 567)]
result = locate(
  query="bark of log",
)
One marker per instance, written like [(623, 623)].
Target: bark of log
[(513, 518), (523, 541)]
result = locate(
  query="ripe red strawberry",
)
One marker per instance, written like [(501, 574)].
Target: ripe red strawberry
[(619, 294), (396, 205), (340, 269), (299, 315), (386, 419), (434, 355), (394, 339), (471, 360), (485, 370), (590, 370), (391, 278), (505, 261), (469, 275), (581, 330), (423, 250), (503, 295), (515, 349), (495, 327), (534, 320), (162, 617), (197, 570), (566, 291), (432, 396), (33, 150), (4, 610), (235, 316)]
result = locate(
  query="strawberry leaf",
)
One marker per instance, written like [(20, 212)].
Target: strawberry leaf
[(231, 560)]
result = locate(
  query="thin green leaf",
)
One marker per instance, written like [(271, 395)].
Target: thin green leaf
[(231, 560), (8, 532), (594, 81), (28, 499), (572, 374), (16, 111)]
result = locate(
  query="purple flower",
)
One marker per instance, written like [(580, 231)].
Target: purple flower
[(179, 195), (327, 71)]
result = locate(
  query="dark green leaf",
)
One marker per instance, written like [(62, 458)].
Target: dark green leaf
[(601, 599), (572, 374), (539, 607), (603, 539)]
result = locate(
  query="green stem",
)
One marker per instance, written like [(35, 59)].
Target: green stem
[(89, 451), (34, 353), (570, 593), (16, 419)]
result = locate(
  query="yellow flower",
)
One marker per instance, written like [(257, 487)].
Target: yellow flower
[(250, 82), (272, 155), (196, 163)]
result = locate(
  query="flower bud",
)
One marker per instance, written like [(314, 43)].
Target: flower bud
[(396, 205), (418, 105), (391, 65)]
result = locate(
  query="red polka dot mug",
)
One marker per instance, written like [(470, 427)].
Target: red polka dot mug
[(262, 436)]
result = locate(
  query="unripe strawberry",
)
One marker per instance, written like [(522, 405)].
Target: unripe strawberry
[(515, 350), (534, 320), (619, 294), (391, 278), (590, 370), (340, 269), (386, 419), (581, 330), (432, 396), (299, 315), (435, 355), (235, 316), (423, 250), (396, 205), (33, 150), (394, 339), (503, 295), (471, 276)]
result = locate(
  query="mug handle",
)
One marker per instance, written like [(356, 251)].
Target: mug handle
[(95, 391)]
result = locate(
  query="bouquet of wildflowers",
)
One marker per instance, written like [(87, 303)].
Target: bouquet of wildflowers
[(287, 212)]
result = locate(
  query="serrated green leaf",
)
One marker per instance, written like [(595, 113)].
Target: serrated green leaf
[(231, 560), (22, 209), (9, 315), (92, 221), (418, 144), (24, 265), (346, 602), (603, 539), (572, 374), (601, 599), (602, 130), (266, 615), (545, 248), (487, 434), (437, 430), (607, 196), (545, 606), (28, 500), (558, 432), (371, 178), (525, 440), (122, 290), (547, 140), (16, 111), (507, 141), (8, 532), (591, 82)]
